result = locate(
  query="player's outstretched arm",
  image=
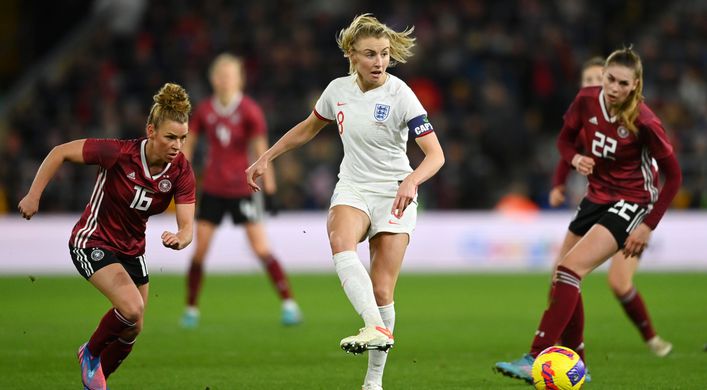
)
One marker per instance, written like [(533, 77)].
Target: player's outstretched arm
[(185, 224), (70, 151), (297, 136)]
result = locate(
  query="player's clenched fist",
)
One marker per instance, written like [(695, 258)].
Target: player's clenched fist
[(28, 207)]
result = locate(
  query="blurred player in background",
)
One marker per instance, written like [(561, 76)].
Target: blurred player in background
[(136, 179), (234, 126), (376, 195), (621, 269), (623, 204)]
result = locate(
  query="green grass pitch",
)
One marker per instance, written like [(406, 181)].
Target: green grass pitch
[(450, 331)]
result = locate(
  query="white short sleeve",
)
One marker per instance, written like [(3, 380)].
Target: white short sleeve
[(411, 106), (324, 107)]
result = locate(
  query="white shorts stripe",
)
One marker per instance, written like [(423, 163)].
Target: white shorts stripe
[(85, 263), (84, 266), (637, 219), (141, 259)]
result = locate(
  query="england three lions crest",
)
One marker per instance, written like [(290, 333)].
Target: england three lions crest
[(381, 112)]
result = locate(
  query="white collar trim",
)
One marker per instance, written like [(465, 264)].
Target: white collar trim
[(146, 166), (230, 107), (603, 108)]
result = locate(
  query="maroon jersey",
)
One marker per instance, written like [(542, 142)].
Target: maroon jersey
[(624, 161), (126, 194), (228, 132), (563, 168)]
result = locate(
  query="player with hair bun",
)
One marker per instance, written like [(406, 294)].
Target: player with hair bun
[(136, 179), (376, 195)]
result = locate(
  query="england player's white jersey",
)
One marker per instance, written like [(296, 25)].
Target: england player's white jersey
[(373, 127)]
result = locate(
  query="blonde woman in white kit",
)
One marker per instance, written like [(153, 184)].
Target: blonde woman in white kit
[(376, 195)]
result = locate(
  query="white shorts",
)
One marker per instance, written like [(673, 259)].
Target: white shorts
[(376, 201)]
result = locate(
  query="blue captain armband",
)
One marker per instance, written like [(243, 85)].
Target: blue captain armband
[(420, 126)]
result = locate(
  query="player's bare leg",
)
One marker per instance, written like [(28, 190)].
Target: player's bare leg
[(257, 238), (195, 276), (568, 243)]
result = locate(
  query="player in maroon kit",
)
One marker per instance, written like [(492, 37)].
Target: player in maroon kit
[(621, 269), (233, 125), (623, 205), (136, 179), (591, 77)]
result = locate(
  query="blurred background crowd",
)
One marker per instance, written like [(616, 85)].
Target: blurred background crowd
[(495, 77)]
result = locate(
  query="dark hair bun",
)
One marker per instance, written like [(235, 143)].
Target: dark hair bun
[(173, 97)]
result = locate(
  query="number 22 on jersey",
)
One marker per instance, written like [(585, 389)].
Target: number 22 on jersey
[(603, 146)]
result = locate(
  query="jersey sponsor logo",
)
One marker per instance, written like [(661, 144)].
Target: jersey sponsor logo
[(339, 104), (390, 221), (131, 175), (97, 255), (593, 120), (381, 112), (622, 132), (165, 185)]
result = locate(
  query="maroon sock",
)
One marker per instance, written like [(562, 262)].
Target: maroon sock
[(110, 327), (194, 280), (636, 310), (114, 354), (278, 278), (562, 304), (573, 335)]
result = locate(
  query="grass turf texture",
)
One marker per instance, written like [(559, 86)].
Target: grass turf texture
[(451, 330)]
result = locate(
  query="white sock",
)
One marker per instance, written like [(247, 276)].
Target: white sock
[(376, 359), (290, 305), (357, 286), (193, 310)]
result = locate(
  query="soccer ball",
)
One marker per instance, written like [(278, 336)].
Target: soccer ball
[(558, 368)]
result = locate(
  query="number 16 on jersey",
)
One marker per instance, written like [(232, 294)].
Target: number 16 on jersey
[(142, 200)]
